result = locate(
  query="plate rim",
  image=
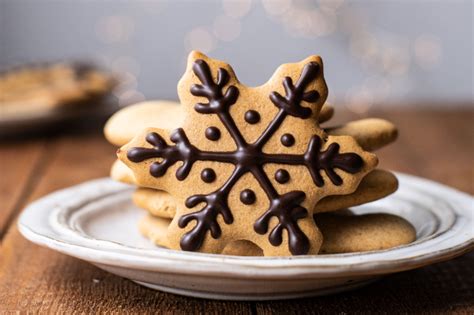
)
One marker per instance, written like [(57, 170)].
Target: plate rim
[(165, 260)]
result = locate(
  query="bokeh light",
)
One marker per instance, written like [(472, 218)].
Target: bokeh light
[(322, 23), (276, 7), (115, 29), (226, 28), (131, 96), (303, 18), (236, 8), (201, 39), (359, 99), (330, 5), (428, 51), (364, 46), (128, 81), (379, 86), (126, 64), (396, 59)]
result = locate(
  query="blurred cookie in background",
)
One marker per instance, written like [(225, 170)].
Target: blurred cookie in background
[(33, 97)]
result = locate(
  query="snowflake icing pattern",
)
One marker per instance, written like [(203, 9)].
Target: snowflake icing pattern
[(248, 157)]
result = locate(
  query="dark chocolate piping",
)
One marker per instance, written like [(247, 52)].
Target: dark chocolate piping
[(212, 133), (252, 117), (247, 196), (208, 175), (287, 140), (282, 176), (248, 158)]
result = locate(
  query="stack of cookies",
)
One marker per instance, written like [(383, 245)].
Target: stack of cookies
[(249, 171), (44, 87)]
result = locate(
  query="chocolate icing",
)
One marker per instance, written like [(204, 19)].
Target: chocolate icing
[(208, 175), (248, 157), (287, 140), (252, 117), (288, 211), (282, 176), (247, 196), (213, 133)]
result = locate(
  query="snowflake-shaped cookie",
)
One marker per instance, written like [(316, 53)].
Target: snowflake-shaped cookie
[(248, 163)]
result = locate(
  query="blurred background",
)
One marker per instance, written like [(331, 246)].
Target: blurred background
[(376, 53), (407, 61)]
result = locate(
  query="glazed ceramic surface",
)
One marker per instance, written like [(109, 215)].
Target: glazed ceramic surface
[(97, 222)]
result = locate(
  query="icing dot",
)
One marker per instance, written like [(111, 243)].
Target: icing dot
[(208, 175), (247, 196), (213, 133), (282, 176), (252, 117), (287, 140)]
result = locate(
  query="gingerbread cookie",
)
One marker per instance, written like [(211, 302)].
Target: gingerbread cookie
[(129, 121), (358, 233), (342, 232), (370, 133), (158, 202), (121, 173), (248, 163), (376, 185)]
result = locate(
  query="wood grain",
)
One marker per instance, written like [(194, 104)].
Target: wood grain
[(433, 144), (21, 167)]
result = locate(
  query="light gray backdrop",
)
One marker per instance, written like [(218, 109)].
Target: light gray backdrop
[(375, 52)]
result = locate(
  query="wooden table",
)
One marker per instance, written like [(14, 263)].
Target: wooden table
[(433, 144)]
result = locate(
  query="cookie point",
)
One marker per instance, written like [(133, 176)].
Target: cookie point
[(195, 54), (314, 59)]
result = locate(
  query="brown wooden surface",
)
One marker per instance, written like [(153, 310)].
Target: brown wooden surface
[(433, 144)]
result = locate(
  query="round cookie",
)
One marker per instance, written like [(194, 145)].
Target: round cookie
[(158, 202), (129, 121), (121, 173), (371, 133), (358, 233), (376, 185), (242, 248), (155, 229), (343, 232)]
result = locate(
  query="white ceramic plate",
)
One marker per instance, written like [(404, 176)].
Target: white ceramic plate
[(97, 222)]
